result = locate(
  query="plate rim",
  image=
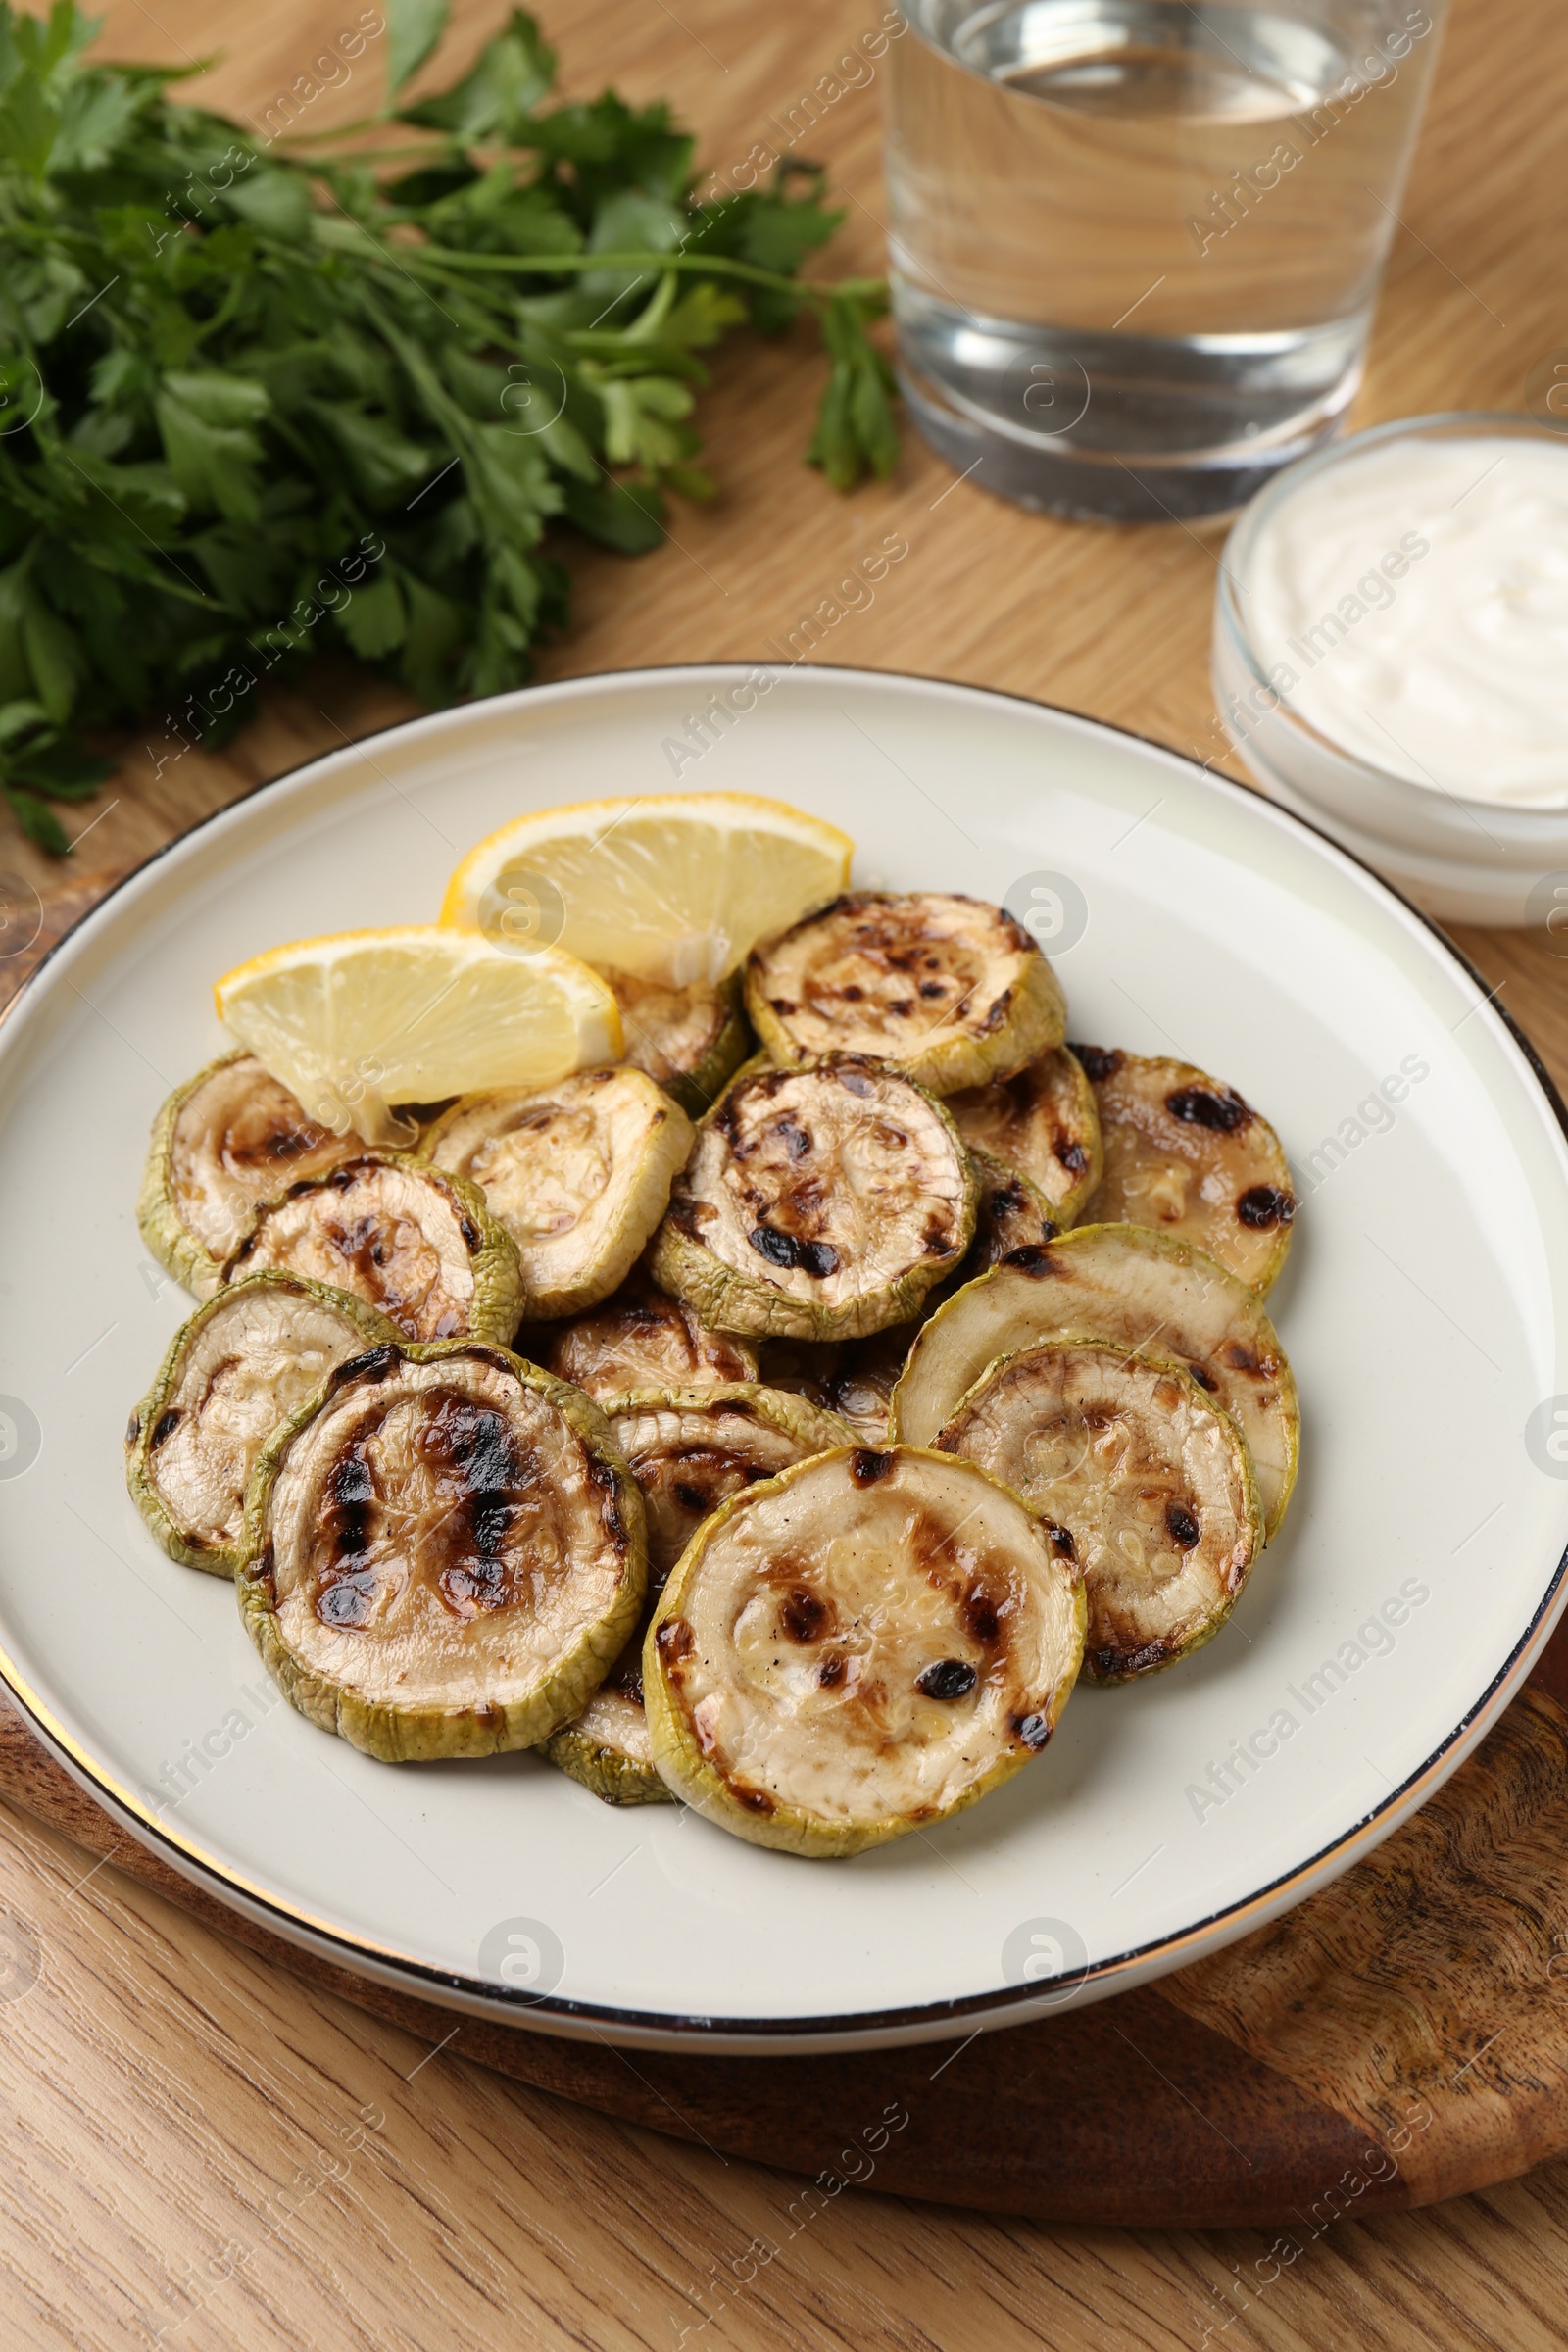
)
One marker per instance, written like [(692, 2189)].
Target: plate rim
[(925, 2021)]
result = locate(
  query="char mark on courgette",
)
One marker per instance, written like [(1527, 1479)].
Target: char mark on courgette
[(691, 1451), (443, 1552), (1010, 1213), (1190, 1158), (819, 1203), (416, 1242), (1042, 1122), (689, 1454), (231, 1137), (859, 1385), (851, 1378), (950, 990), (1137, 1475), (641, 1337)]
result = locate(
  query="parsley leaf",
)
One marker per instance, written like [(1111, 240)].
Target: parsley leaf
[(258, 399)]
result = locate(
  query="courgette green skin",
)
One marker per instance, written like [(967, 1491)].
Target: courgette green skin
[(499, 1298), (811, 1425), (189, 1550), (170, 1240), (410, 1735), (614, 1778), (1071, 1207), (730, 1300), (698, 1090), (727, 1298)]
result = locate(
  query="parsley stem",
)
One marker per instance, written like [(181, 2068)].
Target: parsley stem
[(858, 289)]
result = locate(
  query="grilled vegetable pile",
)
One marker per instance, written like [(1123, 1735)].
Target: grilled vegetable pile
[(793, 1466)]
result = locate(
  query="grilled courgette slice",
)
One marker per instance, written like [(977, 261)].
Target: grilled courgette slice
[(1188, 1157), (819, 1202), (691, 1041), (579, 1174), (606, 1748), (443, 1552), (1010, 1214), (852, 1377), (689, 1454), (860, 1388), (950, 989), (802, 1368), (1042, 1122), (1137, 1475), (416, 1242), (228, 1138), (859, 1648), (640, 1338), (247, 1359), (1138, 1290), (690, 1450)]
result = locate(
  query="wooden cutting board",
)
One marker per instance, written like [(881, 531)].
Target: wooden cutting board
[(1400, 2037)]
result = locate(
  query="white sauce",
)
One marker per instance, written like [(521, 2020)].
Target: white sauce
[(1411, 604)]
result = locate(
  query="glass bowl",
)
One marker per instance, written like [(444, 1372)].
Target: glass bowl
[(1469, 859)]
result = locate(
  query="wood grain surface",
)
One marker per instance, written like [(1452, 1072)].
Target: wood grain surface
[(205, 2149), (1349, 2058)]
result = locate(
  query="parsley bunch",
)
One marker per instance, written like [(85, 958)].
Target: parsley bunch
[(231, 377)]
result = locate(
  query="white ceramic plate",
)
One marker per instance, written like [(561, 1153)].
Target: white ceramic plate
[(1425, 1309)]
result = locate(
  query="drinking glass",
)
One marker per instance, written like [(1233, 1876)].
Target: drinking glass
[(1136, 244)]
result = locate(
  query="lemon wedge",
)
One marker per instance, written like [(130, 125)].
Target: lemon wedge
[(675, 887), (362, 1020)]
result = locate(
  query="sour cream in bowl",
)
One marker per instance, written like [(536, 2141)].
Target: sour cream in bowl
[(1391, 654)]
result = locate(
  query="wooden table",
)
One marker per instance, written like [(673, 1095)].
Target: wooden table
[(202, 2151)]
